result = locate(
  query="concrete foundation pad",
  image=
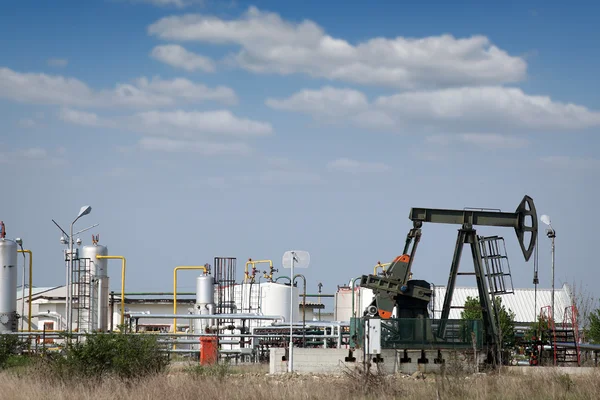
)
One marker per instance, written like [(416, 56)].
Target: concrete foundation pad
[(549, 370), (333, 361)]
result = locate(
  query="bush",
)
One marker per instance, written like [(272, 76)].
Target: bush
[(102, 355), (10, 345)]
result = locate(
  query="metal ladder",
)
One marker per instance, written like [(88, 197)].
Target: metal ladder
[(81, 292), (495, 259)]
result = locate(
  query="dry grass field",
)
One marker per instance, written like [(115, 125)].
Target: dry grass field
[(254, 383)]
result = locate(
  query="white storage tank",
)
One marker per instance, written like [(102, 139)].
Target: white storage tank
[(8, 285), (275, 300), (205, 301), (97, 319), (343, 302)]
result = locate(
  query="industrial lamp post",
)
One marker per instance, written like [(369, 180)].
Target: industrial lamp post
[(551, 233), (293, 259), (85, 210)]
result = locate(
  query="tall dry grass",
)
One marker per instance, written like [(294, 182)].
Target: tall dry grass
[(239, 383)]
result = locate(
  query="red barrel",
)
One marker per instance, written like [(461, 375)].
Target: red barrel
[(209, 350)]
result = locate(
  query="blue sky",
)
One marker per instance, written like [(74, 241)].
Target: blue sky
[(210, 128)]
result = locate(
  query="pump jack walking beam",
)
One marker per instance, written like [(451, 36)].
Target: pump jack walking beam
[(523, 220)]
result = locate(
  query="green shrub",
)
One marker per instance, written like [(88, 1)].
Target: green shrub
[(109, 355), (218, 371), (10, 345)]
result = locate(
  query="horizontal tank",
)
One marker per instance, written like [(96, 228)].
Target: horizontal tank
[(275, 300), (8, 285)]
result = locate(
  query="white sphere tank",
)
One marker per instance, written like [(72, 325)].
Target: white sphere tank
[(275, 300), (8, 285), (99, 288)]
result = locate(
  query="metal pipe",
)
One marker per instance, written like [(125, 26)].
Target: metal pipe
[(213, 316), (303, 306), (123, 267), (30, 284), (182, 267), (68, 299), (327, 324), (553, 236), (284, 277), (253, 263), (158, 293), (380, 265), (353, 289)]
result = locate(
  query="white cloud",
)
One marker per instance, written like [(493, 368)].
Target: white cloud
[(203, 148), (178, 124), (27, 123), (567, 162), (185, 89), (354, 166), (176, 56), (334, 105), (327, 102), (33, 156), (270, 44), (483, 140), (479, 109), (58, 62), (78, 117), (170, 3), (485, 106), (193, 123), (289, 177), (38, 88)]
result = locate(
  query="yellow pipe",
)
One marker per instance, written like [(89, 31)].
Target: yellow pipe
[(253, 263), (123, 266), (184, 267), (30, 285), (380, 265)]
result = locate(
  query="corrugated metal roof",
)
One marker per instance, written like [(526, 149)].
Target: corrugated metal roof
[(521, 302), (34, 290)]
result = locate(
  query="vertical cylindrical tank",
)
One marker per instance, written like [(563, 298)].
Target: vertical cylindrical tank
[(8, 285), (99, 282), (205, 298), (275, 300)]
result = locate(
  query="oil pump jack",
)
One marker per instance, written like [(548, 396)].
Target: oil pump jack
[(396, 288)]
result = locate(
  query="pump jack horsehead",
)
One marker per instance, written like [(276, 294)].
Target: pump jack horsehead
[(397, 289)]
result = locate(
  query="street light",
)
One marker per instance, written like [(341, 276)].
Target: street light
[(551, 233), (85, 210), (293, 259)]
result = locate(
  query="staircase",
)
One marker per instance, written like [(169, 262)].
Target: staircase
[(568, 333), (548, 330)]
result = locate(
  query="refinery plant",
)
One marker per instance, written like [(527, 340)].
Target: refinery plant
[(386, 317)]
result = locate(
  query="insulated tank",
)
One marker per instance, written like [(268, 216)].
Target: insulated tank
[(97, 319), (275, 300), (205, 299), (8, 285)]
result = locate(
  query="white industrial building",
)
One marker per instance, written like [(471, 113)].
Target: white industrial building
[(525, 303), (48, 307)]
